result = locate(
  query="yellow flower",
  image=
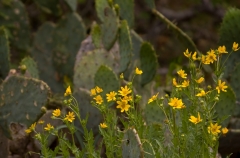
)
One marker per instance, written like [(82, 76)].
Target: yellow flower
[(28, 131), (93, 92), (200, 80), (48, 127), (103, 125), (194, 56), (204, 60), (56, 112), (68, 91), (154, 97), (70, 116), (98, 89), (98, 99), (187, 54), (211, 56), (201, 94), (182, 73), (138, 72), (214, 129), (194, 119), (222, 49), (40, 122), (235, 46), (124, 91), (174, 82), (221, 86), (111, 96), (121, 76), (128, 98), (32, 127), (185, 83), (123, 105), (224, 130), (176, 103)]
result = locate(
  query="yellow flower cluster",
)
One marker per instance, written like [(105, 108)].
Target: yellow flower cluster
[(215, 129), (124, 95), (68, 91), (176, 103), (31, 128)]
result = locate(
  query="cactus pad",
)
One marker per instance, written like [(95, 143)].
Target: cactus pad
[(15, 18), (31, 67), (21, 100), (72, 4), (42, 54), (109, 28), (96, 35), (153, 113), (126, 10), (67, 39), (101, 5), (125, 46), (86, 108), (149, 63), (226, 105), (228, 35), (106, 79), (235, 80), (4, 53), (86, 68), (131, 144)]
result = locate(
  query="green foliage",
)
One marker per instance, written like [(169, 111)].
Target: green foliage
[(67, 37), (4, 53), (109, 28), (125, 44), (27, 95), (106, 79), (149, 63), (131, 145), (126, 11), (15, 19), (229, 31), (31, 66)]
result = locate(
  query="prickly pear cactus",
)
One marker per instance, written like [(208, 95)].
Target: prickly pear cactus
[(42, 54), (228, 35), (67, 38), (31, 67), (72, 4), (86, 68), (235, 80), (101, 5), (50, 7), (131, 144), (85, 107), (150, 3), (149, 63), (21, 100), (153, 114), (106, 79), (126, 10), (96, 35), (14, 18), (109, 28), (136, 46), (4, 53), (226, 105), (125, 45)]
